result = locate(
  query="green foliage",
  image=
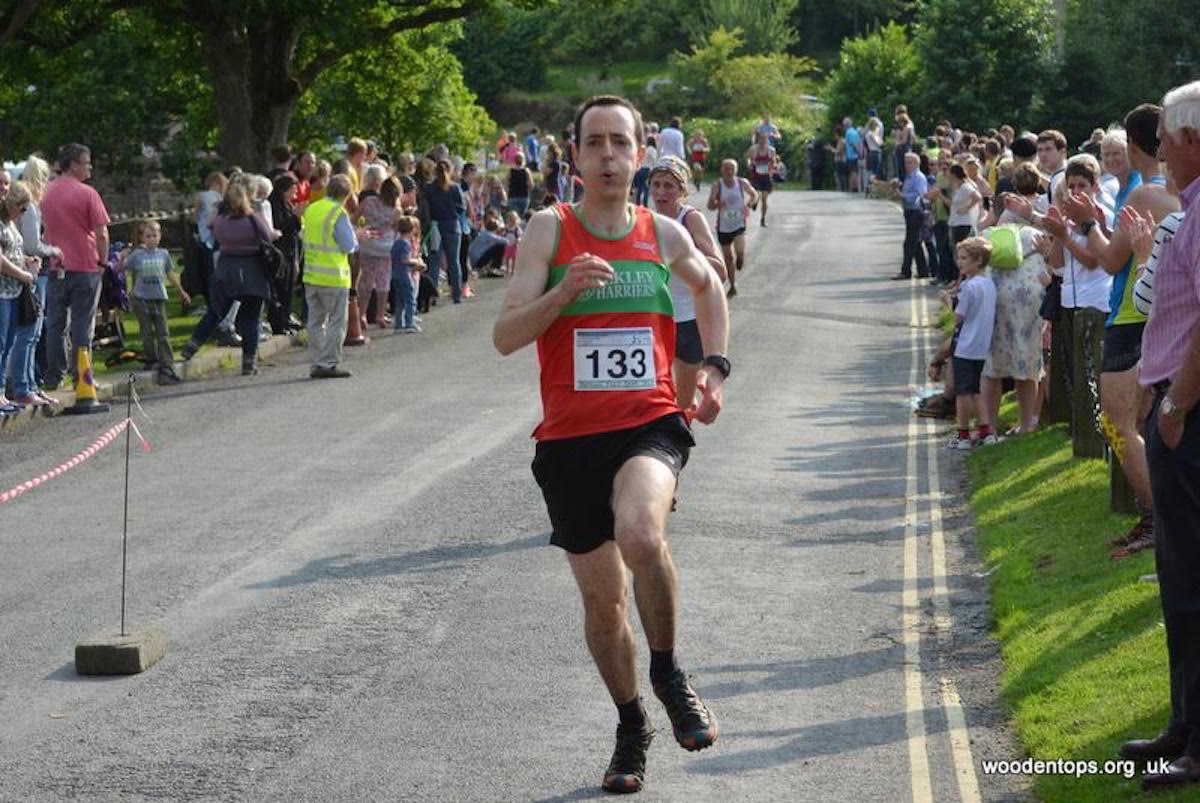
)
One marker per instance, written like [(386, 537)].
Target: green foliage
[(712, 78), (1116, 56), (874, 71), (129, 84), (611, 33), (407, 95), (985, 62), (503, 51), (765, 24)]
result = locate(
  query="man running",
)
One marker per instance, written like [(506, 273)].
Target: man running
[(699, 148), (590, 287), (761, 160), (732, 197), (668, 188)]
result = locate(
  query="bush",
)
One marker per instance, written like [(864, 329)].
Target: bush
[(877, 71), (715, 79)]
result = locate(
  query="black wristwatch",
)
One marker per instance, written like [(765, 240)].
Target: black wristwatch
[(720, 363)]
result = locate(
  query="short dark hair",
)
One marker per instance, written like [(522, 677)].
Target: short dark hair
[(281, 153), (639, 128), (284, 182), (71, 153), (675, 122), (1141, 124), (1052, 135), (957, 171), (1084, 166)]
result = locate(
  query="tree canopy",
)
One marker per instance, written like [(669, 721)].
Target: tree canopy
[(258, 58)]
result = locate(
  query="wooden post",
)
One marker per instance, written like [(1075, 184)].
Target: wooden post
[(1120, 497), (1086, 438), (1057, 407)]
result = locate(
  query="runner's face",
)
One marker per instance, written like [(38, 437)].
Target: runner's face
[(666, 193), (609, 154), (728, 171)]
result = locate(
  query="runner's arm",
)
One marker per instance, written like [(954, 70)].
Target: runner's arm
[(714, 195), (697, 226), (750, 192), (529, 308)]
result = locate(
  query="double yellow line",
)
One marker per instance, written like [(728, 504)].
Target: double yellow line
[(914, 680)]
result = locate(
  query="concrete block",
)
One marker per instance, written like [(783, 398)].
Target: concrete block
[(115, 654)]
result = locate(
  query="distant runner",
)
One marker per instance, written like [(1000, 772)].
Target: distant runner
[(590, 287), (732, 197), (699, 149), (762, 160)]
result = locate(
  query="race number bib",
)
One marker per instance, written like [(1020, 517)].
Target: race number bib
[(762, 168), (732, 217), (615, 359)]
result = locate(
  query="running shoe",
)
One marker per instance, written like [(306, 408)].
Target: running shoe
[(694, 725), (961, 444), (991, 440), (626, 772)]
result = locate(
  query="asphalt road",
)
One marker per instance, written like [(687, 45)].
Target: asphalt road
[(361, 603)]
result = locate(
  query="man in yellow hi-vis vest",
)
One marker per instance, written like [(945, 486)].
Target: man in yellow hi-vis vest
[(328, 240)]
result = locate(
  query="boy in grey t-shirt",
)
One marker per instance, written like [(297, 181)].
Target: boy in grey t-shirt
[(150, 268), (976, 317)]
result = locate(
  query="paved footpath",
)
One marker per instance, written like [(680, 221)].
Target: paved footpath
[(361, 604)]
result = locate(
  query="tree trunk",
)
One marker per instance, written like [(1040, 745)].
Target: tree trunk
[(253, 90)]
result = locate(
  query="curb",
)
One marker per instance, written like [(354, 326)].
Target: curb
[(211, 361)]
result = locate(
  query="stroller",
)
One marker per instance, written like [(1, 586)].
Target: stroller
[(114, 301)]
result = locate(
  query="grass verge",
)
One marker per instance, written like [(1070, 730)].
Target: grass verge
[(1085, 664)]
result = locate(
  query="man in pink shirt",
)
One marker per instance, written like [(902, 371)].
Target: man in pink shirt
[(1170, 365), (77, 222)]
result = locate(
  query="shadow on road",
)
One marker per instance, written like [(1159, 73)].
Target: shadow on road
[(809, 673), (824, 739), (348, 567)]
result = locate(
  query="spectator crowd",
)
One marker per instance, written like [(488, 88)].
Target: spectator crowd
[(1086, 262), (331, 247)]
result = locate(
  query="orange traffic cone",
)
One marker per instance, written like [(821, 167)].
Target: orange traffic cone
[(354, 335), (85, 386)]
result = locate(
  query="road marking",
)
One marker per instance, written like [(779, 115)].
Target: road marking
[(956, 721), (910, 620)]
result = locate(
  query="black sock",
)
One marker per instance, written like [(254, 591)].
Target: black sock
[(662, 665), (632, 714)]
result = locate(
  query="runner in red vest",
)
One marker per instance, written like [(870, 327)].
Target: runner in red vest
[(590, 287)]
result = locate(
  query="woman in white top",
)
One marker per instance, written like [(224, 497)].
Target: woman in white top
[(668, 187), (965, 205)]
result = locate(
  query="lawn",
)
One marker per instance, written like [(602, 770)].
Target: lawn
[(1085, 664), (581, 80)]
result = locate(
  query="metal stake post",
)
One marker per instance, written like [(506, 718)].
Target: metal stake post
[(125, 524)]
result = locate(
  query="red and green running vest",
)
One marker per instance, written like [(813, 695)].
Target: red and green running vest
[(606, 361)]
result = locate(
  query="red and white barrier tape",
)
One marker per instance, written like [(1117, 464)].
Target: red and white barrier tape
[(62, 468)]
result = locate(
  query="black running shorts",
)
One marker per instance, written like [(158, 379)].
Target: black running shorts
[(576, 476), (688, 347), (727, 237)]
